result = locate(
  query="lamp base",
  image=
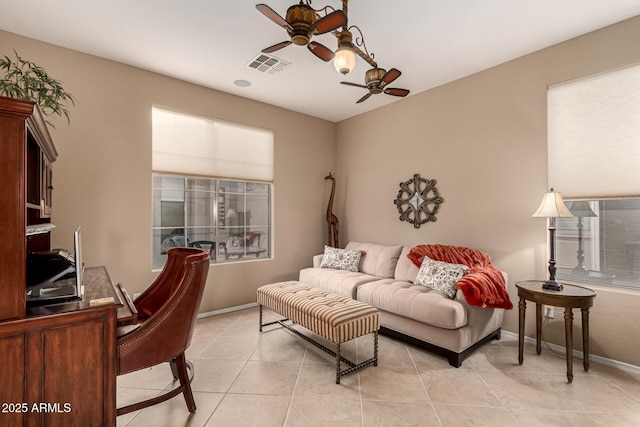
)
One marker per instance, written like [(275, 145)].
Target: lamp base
[(552, 285), (579, 270)]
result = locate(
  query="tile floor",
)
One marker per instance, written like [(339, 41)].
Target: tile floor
[(247, 378)]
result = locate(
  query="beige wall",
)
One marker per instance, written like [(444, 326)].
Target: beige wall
[(483, 138), (102, 178)]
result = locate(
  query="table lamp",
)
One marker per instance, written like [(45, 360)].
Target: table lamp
[(552, 207), (580, 209)]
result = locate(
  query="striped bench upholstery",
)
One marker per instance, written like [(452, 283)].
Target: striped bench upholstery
[(334, 317)]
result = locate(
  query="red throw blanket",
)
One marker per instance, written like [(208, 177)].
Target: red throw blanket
[(482, 286)]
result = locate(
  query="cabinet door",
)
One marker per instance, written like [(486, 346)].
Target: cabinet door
[(12, 217), (12, 378), (46, 188), (59, 370), (73, 372)]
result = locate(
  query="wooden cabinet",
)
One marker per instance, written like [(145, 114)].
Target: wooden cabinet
[(58, 361), (26, 155), (58, 370), (13, 116)]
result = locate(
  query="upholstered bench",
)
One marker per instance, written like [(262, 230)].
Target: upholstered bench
[(334, 317)]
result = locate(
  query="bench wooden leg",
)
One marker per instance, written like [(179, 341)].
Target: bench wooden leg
[(352, 366), (375, 348), (338, 363)]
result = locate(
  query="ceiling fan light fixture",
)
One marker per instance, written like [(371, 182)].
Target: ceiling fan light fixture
[(345, 57), (345, 60)]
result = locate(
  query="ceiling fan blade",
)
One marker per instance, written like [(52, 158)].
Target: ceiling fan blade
[(277, 46), (273, 15), (390, 76), (396, 92), (321, 51), (329, 22), (364, 98), (354, 84)]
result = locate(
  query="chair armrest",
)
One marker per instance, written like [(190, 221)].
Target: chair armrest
[(127, 329)]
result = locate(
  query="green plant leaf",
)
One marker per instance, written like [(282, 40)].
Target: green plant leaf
[(27, 80)]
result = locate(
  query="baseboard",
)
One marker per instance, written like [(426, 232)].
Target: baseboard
[(578, 354), (228, 310)]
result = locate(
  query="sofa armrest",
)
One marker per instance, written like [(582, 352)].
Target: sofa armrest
[(460, 296), (317, 259), (482, 320)]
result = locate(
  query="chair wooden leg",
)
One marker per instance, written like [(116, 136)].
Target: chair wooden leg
[(185, 378), (182, 370), (174, 369)]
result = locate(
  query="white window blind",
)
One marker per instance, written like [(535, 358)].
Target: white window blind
[(594, 135), (199, 146)]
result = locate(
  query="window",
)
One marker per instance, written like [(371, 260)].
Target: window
[(211, 188), (229, 218), (601, 244), (594, 161)]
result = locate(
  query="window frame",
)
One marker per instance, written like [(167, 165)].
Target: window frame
[(589, 119), (196, 148), (241, 235)]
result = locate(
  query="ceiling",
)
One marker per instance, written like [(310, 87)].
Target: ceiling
[(211, 42)]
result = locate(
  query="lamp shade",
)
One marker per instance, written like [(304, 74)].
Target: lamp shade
[(345, 60), (552, 206), (581, 209)]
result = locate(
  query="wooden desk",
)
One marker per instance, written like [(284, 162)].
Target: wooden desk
[(59, 360), (570, 297)]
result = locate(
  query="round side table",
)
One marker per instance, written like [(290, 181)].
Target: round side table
[(570, 297)]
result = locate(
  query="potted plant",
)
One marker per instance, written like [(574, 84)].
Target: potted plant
[(27, 80)]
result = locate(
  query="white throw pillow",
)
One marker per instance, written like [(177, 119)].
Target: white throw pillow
[(440, 276), (340, 259)]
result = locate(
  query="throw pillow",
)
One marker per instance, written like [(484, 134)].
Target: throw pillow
[(441, 276), (340, 259)]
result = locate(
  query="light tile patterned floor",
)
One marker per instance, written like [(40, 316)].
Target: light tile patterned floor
[(247, 378)]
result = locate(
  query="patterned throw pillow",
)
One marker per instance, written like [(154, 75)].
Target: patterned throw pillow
[(441, 276), (340, 259)]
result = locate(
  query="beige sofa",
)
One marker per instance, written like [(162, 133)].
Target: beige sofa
[(414, 313)]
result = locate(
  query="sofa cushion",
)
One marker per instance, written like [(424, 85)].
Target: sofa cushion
[(377, 260), (341, 282), (441, 276), (414, 302), (341, 259), (406, 270)]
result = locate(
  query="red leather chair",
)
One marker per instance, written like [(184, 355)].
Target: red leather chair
[(167, 312)]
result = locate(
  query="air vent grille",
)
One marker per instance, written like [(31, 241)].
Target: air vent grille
[(267, 64)]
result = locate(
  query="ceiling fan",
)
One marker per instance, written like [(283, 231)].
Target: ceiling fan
[(376, 79), (303, 22)]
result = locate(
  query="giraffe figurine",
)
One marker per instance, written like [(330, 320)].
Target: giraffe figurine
[(332, 220)]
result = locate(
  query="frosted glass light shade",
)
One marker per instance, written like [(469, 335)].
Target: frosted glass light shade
[(345, 60)]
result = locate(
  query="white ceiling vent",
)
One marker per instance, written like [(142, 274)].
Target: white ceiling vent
[(267, 64)]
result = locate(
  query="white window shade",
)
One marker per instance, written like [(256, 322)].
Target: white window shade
[(193, 145), (594, 135)]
